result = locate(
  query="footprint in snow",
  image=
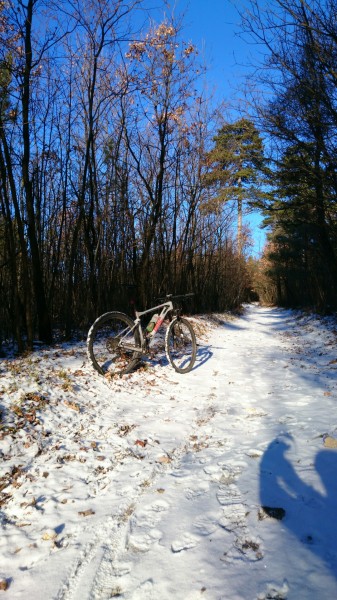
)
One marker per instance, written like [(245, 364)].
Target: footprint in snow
[(230, 474), (150, 515), (121, 568), (206, 524), (145, 591), (224, 474), (143, 526), (275, 591), (228, 495), (199, 490), (233, 517), (185, 542), (247, 547), (254, 453), (143, 542), (286, 419)]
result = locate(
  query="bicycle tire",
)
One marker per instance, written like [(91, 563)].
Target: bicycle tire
[(181, 345), (102, 344)]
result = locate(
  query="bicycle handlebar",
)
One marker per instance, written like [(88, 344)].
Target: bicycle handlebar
[(180, 296)]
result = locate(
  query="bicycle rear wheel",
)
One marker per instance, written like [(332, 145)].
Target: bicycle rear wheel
[(112, 344), (180, 345)]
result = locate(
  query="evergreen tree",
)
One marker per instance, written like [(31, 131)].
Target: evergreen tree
[(300, 116), (235, 167), (298, 262)]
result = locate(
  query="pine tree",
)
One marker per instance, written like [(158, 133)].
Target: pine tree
[(235, 167)]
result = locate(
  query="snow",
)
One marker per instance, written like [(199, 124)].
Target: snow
[(217, 485)]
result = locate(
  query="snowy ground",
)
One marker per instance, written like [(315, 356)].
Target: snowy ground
[(151, 487)]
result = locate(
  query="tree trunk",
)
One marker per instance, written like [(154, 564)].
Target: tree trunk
[(44, 324)]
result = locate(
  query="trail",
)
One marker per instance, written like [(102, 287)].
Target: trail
[(188, 461)]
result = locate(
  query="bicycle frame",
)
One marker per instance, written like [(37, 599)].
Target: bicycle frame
[(166, 308)]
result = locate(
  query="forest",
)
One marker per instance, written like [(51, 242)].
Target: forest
[(118, 168)]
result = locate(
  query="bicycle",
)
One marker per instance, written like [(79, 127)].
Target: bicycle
[(116, 343)]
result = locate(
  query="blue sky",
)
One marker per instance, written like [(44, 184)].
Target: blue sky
[(213, 26)]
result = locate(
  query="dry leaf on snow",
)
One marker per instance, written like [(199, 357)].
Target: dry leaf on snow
[(164, 459), (329, 442), (86, 513), (50, 534), (72, 405), (142, 443), (4, 584)]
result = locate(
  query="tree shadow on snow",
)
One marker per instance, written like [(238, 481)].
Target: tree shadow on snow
[(237, 326), (309, 514)]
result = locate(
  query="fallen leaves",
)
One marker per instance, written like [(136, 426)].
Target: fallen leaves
[(24, 412), (86, 513), (4, 498), (49, 535), (125, 429), (141, 443), (164, 460), (4, 584), (3, 483), (329, 442), (72, 405), (10, 478), (66, 458)]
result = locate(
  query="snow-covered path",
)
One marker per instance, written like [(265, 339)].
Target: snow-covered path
[(152, 486)]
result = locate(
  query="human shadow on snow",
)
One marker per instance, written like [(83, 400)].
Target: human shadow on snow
[(309, 514)]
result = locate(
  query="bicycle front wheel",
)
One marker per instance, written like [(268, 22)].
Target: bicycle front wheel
[(113, 344), (180, 345)]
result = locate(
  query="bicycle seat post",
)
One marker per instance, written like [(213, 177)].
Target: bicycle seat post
[(133, 306), (131, 292)]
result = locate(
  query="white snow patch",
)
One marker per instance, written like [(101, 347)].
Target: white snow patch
[(217, 484)]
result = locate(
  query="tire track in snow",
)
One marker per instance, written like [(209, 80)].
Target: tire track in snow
[(237, 401), (94, 572)]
